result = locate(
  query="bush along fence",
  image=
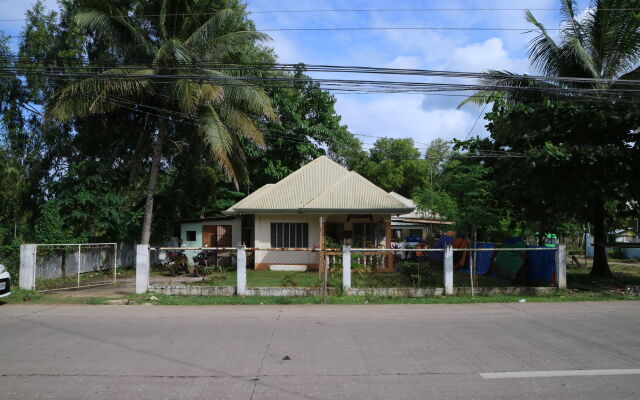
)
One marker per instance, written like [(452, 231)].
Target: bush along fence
[(446, 271)]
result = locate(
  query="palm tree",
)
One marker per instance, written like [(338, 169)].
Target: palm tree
[(162, 44), (604, 44)]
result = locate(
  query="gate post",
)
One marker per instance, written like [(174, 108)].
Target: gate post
[(561, 266), (448, 270), (241, 271), (142, 268), (27, 266), (346, 268)]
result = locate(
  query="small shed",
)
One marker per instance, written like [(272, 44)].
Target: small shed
[(217, 231)]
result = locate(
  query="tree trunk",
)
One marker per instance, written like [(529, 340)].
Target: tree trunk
[(600, 267), (153, 183)]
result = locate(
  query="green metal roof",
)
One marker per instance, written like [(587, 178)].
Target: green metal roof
[(321, 186)]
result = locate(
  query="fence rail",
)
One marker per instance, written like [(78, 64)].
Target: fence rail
[(442, 268)]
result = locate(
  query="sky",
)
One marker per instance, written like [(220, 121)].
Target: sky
[(423, 118)]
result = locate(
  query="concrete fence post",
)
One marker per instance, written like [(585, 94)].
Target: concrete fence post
[(143, 264), (448, 270), (346, 267), (241, 271), (27, 266), (561, 266)]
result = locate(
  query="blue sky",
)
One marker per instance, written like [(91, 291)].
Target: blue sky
[(423, 118)]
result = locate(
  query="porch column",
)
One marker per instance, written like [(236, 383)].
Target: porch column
[(387, 245)]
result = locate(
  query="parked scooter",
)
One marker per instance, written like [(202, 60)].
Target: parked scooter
[(176, 263)]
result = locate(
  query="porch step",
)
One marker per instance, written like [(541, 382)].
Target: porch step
[(288, 267)]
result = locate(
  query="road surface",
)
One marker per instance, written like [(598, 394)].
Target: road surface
[(480, 351)]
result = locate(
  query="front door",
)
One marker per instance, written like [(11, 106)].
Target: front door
[(216, 236)]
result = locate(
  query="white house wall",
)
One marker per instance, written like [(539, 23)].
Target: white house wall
[(263, 240)]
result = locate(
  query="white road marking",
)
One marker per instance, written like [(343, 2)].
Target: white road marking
[(550, 374)]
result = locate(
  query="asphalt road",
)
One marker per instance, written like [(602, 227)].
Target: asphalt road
[(336, 352)]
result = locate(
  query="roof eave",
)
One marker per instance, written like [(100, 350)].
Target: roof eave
[(394, 211)]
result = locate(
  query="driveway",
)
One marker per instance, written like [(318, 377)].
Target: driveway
[(548, 351)]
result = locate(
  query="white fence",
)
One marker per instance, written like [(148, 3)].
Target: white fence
[(67, 265), (347, 254)]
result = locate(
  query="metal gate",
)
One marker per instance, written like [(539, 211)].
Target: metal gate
[(75, 265)]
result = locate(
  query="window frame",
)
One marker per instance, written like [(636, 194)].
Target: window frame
[(189, 233), (289, 234)]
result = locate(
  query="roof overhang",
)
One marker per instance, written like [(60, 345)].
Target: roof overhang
[(205, 219), (392, 211)]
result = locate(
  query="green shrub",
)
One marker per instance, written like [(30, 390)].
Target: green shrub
[(10, 257)]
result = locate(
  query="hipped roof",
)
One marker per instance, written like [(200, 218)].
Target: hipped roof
[(320, 186)]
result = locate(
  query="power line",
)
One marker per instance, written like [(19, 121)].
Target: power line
[(363, 10), (370, 86), (475, 123), (278, 67), (384, 28)]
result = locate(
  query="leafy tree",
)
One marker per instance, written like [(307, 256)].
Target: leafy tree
[(603, 43), (570, 169), (181, 37), (50, 228), (307, 128), (395, 165), (463, 193)]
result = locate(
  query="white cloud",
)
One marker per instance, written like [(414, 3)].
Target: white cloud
[(286, 49), (401, 116), (406, 62), (489, 54), (15, 9)]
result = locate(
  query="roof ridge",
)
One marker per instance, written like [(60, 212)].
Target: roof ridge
[(327, 188), (298, 171)]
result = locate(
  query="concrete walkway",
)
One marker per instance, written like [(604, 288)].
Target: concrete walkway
[(322, 352), (123, 287)]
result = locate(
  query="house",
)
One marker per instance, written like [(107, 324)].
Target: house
[(320, 204), (417, 223), (219, 231)]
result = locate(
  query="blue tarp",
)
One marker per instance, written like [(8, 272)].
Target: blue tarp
[(439, 255), (541, 265), (483, 259)]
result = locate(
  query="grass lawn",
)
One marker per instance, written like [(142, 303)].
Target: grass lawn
[(29, 297), (623, 275), (266, 278)]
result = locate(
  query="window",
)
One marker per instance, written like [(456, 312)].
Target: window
[(364, 234), (288, 234), (191, 236)]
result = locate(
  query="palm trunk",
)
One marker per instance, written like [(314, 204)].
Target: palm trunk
[(600, 267), (153, 183)]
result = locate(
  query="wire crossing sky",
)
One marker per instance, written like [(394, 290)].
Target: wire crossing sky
[(471, 35)]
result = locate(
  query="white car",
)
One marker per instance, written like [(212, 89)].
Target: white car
[(5, 282)]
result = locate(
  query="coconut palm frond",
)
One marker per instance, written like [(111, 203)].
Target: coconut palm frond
[(172, 52), (542, 50), (242, 124), (74, 100), (244, 95), (221, 46), (213, 27), (217, 138), (212, 94), (117, 30), (481, 98)]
